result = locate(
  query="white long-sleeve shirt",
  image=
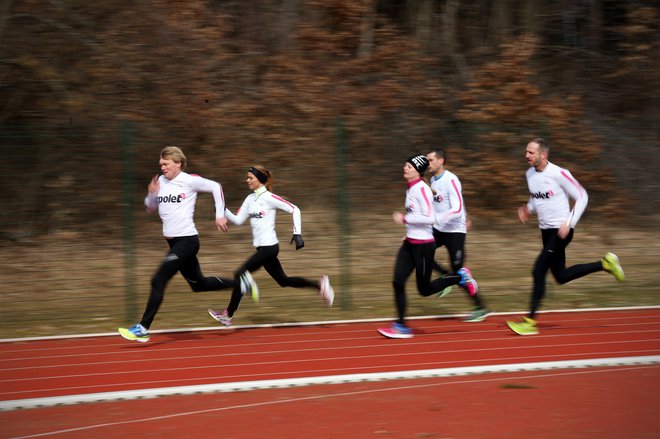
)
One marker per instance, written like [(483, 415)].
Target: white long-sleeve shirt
[(450, 214), (419, 213), (261, 207), (550, 191), (175, 202)]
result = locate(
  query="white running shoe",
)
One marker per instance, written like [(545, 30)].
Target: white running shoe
[(326, 291), (221, 317), (396, 330)]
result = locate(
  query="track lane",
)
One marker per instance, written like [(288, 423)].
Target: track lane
[(59, 367), (489, 405)]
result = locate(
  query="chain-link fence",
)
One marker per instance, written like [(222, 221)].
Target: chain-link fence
[(79, 250)]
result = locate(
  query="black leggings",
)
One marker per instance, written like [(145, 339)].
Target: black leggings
[(266, 256), (418, 257), (455, 243), (553, 258), (181, 257)]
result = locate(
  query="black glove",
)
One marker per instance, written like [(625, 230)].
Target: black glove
[(299, 241)]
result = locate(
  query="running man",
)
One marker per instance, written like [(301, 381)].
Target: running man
[(550, 188), (417, 250), (173, 195), (449, 228), (261, 207)]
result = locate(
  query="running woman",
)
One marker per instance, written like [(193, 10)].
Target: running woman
[(449, 229), (173, 195), (550, 188), (417, 250), (261, 207)]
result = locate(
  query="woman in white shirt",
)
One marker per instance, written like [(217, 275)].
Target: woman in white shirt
[(418, 248), (261, 207)]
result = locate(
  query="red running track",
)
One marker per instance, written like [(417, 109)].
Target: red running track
[(77, 366), (71, 366)]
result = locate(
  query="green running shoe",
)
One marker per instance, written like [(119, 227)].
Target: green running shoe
[(444, 292), (250, 285), (611, 264), (478, 315), (526, 326), (136, 332)]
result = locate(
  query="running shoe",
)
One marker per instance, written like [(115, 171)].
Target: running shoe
[(326, 291), (467, 281), (251, 285), (444, 292), (526, 326), (611, 264), (478, 315), (243, 286), (136, 332), (396, 330), (221, 317)]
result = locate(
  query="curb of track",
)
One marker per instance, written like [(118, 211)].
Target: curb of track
[(330, 379)]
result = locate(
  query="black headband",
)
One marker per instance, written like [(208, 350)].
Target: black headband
[(260, 175)]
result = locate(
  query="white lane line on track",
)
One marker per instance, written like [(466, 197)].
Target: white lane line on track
[(345, 370), (466, 333), (444, 338), (344, 348), (331, 379), (467, 336), (397, 353), (408, 355), (327, 322)]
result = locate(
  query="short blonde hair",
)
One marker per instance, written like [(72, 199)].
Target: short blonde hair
[(175, 154)]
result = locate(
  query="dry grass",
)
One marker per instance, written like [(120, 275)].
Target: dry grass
[(75, 283)]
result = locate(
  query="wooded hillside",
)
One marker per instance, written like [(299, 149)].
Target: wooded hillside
[(289, 83)]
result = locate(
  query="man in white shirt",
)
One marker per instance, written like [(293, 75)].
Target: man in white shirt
[(550, 189), (173, 195), (449, 228)]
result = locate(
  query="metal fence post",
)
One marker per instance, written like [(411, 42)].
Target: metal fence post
[(128, 220), (343, 216)]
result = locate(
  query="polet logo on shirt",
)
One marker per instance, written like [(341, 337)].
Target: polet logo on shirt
[(261, 214), (543, 195), (172, 198)]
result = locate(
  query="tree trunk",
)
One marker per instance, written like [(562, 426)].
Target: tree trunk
[(5, 7), (289, 16), (449, 29), (367, 31), (420, 17), (529, 19), (499, 22)]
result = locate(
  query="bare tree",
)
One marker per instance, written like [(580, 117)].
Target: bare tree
[(529, 19), (367, 30), (5, 7), (499, 21), (420, 17), (449, 29)]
